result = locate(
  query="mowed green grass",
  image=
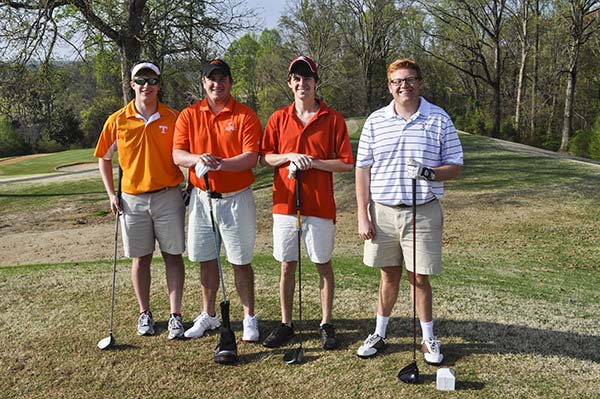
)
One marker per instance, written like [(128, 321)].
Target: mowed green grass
[(47, 163), (516, 307)]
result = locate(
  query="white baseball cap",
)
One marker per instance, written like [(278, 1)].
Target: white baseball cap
[(144, 65)]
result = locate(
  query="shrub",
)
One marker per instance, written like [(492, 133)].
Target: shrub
[(11, 143)]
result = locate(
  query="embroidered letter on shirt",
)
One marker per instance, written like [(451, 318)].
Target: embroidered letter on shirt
[(163, 129), (230, 127)]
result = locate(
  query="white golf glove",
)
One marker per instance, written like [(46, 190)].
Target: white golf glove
[(292, 168), (416, 170), (201, 169)]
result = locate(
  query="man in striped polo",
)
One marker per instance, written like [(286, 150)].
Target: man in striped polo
[(409, 138)]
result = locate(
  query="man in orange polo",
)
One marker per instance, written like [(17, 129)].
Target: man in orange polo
[(311, 137), (151, 206), (222, 136)]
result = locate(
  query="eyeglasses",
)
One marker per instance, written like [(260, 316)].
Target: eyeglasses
[(142, 81), (411, 80)]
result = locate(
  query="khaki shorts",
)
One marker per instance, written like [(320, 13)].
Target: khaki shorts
[(235, 220), (393, 241), (157, 216), (318, 234)]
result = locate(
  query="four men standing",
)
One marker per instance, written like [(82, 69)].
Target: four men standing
[(408, 139)]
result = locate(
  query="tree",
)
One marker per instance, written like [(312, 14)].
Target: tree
[(470, 32), (242, 57), (138, 28), (584, 21), (369, 30)]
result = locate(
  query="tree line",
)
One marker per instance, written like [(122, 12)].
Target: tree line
[(522, 70)]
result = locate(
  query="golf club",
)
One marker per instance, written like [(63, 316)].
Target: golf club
[(226, 351), (109, 341), (410, 373), (295, 356)]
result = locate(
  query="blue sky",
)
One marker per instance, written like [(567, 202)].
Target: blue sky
[(269, 10)]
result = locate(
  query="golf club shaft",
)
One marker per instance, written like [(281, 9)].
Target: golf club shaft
[(114, 274), (299, 225), (217, 242), (414, 231)]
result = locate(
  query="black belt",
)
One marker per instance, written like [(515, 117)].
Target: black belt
[(410, 206), (214, 194), (157, 191)]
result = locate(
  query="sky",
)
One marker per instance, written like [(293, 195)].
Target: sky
[(269, 10)]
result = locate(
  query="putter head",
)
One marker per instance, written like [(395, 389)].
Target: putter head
[(409, 374), (294, 356), (106, 343), (226, 351)]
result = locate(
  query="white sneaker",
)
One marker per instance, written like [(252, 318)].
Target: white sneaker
[(251, 333), (175, 327), (432, 351), (202, 323), (372, 345), (145, 324)]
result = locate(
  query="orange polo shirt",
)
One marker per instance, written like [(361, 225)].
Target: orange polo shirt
[(233, 131), (145, 151), (325, 136)]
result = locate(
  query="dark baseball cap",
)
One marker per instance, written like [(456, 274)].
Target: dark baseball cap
[(216, 65)]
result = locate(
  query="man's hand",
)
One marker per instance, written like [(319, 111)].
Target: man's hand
[(416, 170), (302, 161)]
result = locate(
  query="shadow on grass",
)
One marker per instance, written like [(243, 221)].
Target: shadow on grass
[(479, 337)]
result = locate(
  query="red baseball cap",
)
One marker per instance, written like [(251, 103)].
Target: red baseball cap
[(300, 61)]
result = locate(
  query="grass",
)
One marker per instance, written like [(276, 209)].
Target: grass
[(48, 162), (516, 307)]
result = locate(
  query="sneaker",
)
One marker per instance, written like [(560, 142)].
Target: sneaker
[(202, 323), (279, 336), (175, 327), (432, 351), (372, 346), (251, 333), (328, 336), (145, 325)]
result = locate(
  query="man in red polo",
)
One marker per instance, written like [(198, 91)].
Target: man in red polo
[(310, 137)]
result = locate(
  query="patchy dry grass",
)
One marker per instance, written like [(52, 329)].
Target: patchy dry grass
[(516, 307)]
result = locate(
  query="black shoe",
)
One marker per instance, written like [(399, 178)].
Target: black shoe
[(328, 336), (279, 336)]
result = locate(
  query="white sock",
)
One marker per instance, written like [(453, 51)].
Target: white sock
[(381, 325), (427, 329)]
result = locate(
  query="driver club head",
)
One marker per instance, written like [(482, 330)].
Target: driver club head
[(409, 374), (294, 356), (106, 343), (225, 356)]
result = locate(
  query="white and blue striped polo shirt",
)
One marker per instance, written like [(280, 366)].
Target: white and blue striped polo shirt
[(387, 142)]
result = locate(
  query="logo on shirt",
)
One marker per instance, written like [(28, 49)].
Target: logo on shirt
[(230, 127), (163, 129)]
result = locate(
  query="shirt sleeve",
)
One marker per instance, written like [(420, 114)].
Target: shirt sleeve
[(269, 143), (364, 155), (343, 148), (252, 133), (452, 152), (181, 138), (107, 142)]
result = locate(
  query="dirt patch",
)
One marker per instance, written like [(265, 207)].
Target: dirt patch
[(75, 232)]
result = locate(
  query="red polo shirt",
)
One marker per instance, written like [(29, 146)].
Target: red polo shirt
[(233, 131), (325, 136)]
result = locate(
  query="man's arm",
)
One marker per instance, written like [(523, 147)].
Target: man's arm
[(366, 231), (105, 166), (447, 172)]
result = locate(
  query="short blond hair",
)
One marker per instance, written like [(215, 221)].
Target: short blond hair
[(404, 63)]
